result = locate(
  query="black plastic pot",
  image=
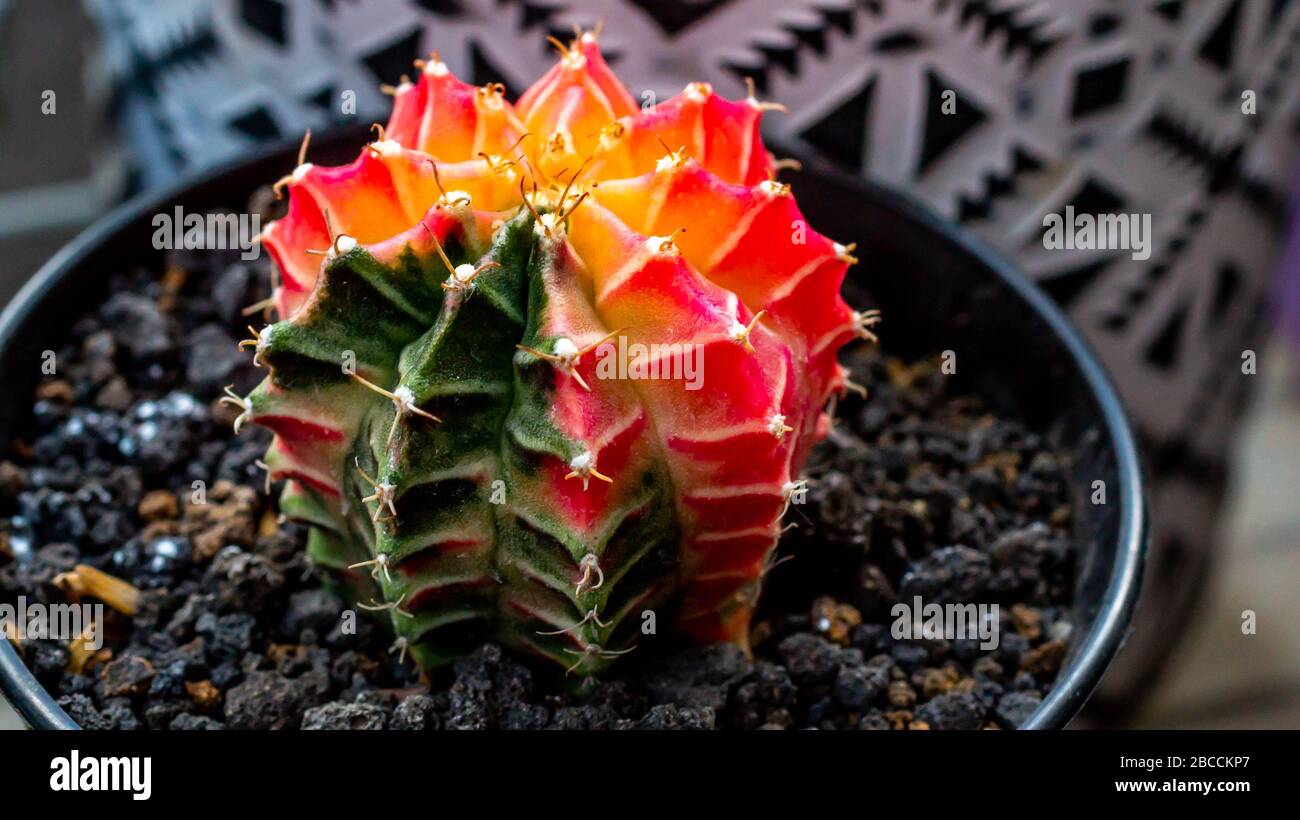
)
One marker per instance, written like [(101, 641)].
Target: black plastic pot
[(938, 288)]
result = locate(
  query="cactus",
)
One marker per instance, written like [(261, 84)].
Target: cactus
[(436, 391)]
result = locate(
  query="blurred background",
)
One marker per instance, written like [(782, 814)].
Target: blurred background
[(1104, 105)]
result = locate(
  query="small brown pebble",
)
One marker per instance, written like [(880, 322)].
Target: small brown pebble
[(1044, 659), (277, 652), (1006, 464), (99, 345), (80, 654), (760, 633), (834, 620), (903, 375), (203, 693), (114, 395), (899, 718), (934, 682), (269, 524), (158, 505), (13, 479), (778, 718), (1061, 516), (1027, 620), (901, 694), (222, 490), (11, 632), (988, 668), (6, 548), (173, 279), (919, 725), (208, 542), (228, 516), (55, 390), (128, 675)]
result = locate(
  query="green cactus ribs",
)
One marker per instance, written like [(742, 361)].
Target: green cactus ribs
[(417, 348)]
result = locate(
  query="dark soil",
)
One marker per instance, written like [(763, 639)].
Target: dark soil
[(916, 493)]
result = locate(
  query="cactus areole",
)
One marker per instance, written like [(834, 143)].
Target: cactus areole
[(445, 412)]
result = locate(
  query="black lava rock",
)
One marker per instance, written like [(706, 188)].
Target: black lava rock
[(211, 357), (82, 710), (138, 325), (188, 722), (951, 574), (1015, 708), (957, 710), (345, 716), (265, 700), (416, 713), (671, 716), (315, 609), (811, 659)]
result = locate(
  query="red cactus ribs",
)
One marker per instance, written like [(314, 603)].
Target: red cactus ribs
[(447, 406)]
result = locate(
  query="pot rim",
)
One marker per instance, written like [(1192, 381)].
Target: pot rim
[(1075, 682)]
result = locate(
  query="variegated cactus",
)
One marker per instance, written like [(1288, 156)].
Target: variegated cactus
[(436, 391)]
